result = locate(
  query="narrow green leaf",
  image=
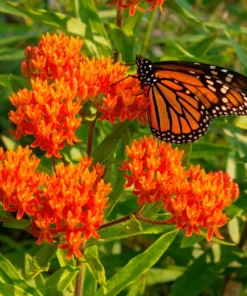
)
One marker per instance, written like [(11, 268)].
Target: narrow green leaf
[(9, 275), (138, 265), (138, 287), (90, 282), (87, 12), (202, 149), (16, 224), (163, 275), (97, 269), (4, 81), (234, 231), (188, 242), (7, 290), (116, 176), (187, 152), (240, 52), (5, 7), (10, 54), (39, 281), (17, 83), (240, 121), (54, 19), (183, 12), (59, 281), (202, 47), (61, 256), (128, 229), (123, 42), (198, 277), (223, 26), (41, 261), (107, 146)]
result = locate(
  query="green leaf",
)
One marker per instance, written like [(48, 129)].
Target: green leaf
[(223, 26), (97, 269), (55, 19), (188, 242), (6, 7), (90, 282), (4, 81), (61, 256), (39, 281), (9, 275), (199, 276), (202, 47), (183, 12), (138, 287), (7, 290), (138, 265), (240, 52), (114, 175), (16, 224), (41, 261), (123, 41), (240, 121), (234, 231), (202, 149), (95, 31), (187, 152), (17, 83), (107, 146), (163, 275), (127, 229), (10, 54), (59, 281)]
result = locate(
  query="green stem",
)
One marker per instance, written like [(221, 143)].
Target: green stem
[(79, 278), (90, 137), (119, 23), (128, 217), (148, 33), (187, 152), (54, 163)]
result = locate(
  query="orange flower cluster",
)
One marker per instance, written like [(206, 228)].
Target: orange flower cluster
[(194, 198), (132, 5), (19, 181), (67, 205), (62, 80), (55, 57), (48, 112)]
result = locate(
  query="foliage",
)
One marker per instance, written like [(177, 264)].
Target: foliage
[(132, 257)]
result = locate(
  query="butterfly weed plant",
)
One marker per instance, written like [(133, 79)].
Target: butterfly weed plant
[(111, 209)]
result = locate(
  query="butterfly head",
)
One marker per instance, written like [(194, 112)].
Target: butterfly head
[(145, 71)]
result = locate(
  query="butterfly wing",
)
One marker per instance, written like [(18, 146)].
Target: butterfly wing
[(186, 96), (175, 114)]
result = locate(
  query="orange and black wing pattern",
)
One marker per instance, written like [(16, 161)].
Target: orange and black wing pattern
[(185, 96)]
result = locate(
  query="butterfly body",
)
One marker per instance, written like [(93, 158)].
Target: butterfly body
[(184, 97)]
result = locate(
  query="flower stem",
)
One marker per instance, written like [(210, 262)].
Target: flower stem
[(90, 137), (128, 217), (79, 277), (54, 163)]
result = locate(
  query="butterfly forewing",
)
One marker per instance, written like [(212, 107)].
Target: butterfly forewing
[(185, 96)]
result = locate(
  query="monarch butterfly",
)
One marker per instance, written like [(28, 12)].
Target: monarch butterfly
[(184, 97)]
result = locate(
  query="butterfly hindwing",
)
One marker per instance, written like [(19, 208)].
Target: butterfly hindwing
[(175, 113)]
